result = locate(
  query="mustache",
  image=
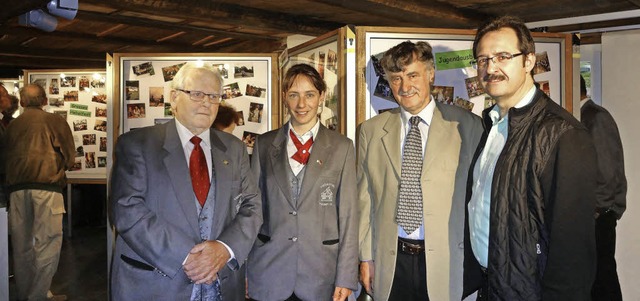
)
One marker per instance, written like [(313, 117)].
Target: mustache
[(407, 93), (490, 77)]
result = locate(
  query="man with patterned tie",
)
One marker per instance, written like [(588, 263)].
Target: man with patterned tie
[(307, 247), (183, 202), (412, 172)]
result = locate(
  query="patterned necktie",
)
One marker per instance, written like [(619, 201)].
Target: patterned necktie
[(302, 155), (409, 214), (199, 171)]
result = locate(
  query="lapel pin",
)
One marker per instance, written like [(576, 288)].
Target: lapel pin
[(319, 162), (225, 162)]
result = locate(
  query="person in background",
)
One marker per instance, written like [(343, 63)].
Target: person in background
[(227, 119), (5, 105), (7, 114), (307, 248), (611, 193), (42, 149), (188, 212), (412, 171), (530, 229)]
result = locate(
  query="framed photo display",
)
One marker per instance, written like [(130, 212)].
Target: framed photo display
[(142, 86), (456, 81), (327, 54), (80, 97)]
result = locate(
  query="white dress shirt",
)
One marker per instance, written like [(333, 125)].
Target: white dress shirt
[(480, 203)]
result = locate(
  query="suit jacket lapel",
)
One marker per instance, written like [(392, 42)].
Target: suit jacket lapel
[(178, 171), (279, 163), (319, 155), (222, 166), (439, 135), (391, 140)]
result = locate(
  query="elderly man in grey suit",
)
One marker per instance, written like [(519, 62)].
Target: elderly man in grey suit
[(412, 171), (307, 248), (183, 202)]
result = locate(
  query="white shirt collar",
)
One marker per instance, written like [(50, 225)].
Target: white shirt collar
[(313, 132), (426, 114), (494, 114), (185, 135), (583, 101)]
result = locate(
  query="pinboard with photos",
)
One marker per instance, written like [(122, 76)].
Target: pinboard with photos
[(80, 97), (456, 82), (143, 85), (326, 54)]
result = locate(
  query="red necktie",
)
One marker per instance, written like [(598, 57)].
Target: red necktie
[(302, 155), (199, 171)]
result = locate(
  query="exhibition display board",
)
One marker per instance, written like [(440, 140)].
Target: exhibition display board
[(141, 89), (456, 81), (80, 97), (327, 54)]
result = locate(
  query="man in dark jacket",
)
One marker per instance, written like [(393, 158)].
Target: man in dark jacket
[(530, 197), (611, 193)]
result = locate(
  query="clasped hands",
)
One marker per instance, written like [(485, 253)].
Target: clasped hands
[(205, 260)]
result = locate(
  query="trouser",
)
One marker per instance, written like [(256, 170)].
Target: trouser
[(606, 287), (35, 220), (410, 277)]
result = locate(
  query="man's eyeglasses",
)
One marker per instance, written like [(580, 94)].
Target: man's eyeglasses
[(500, 58), (198, 96)]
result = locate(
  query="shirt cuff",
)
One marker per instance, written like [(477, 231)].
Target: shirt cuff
[(231, 254)]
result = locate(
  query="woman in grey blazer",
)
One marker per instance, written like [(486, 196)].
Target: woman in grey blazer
[(307, 247)]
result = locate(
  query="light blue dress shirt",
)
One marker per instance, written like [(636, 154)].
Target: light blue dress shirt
[(480, 203), (426, 114)]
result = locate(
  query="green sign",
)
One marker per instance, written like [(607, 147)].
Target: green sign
[(80, 113), (453, 59), (79, 107)]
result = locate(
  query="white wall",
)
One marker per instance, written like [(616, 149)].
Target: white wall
[(592, 53), (620, 86)]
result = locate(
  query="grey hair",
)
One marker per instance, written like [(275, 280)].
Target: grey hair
[(187, 69)]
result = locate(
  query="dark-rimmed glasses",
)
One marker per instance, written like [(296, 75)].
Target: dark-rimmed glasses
[(500, 58), (198, 96)]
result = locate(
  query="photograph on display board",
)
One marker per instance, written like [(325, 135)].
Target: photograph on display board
[(90, 160), (161, 120), (474, 88), (136, 110), (99, 97), (167, 109), (54, 88), (463, 103), (332, 61), (132, 90), (320, 67), (80, 125), (101, 112), (443, 94), (56, 102), (101, 125), (89, 139), (97, 83), (488, 101), (77, 165), (255, 112), (169, 72), (79, 151), (544, 86), (102, 161), (383, 90), (240, 118), (223, 69), (156, 96), (62, 113), (255, 91), (103, 144), (144, 68), (68, 82), (249, 139), (231, 91), (83, 82), (243, 70), (542, 63)]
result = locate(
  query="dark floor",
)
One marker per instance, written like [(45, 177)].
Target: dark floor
[(82, 270)]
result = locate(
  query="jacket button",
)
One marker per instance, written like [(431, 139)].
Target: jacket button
[(393, 252), (294, 239), (461, 245), (294, 213)]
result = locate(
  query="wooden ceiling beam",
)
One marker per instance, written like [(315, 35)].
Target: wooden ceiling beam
[(43, 53), (225, 13), (9, 62), (112, 18), (171, 36)]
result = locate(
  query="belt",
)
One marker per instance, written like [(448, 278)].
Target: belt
[(410, 248)]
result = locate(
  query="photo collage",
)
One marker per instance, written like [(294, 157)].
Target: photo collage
[(147, 88), (80, 98)]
